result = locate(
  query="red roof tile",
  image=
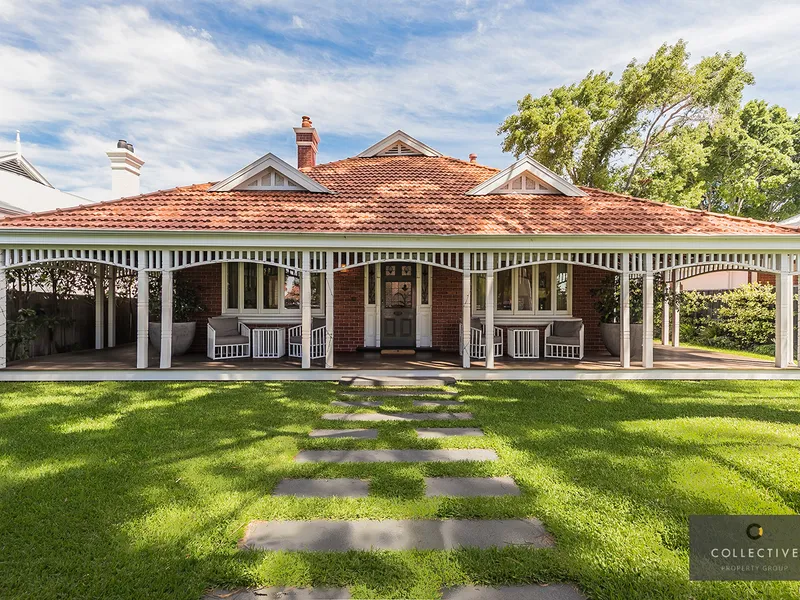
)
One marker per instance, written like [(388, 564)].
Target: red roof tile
[(394, 195)]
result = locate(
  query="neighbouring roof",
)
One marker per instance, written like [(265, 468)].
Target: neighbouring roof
[(21, 195), (13, 162), (425, 195)]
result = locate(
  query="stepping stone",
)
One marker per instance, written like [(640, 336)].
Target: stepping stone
[(553, 591), (434, 403), (461, 416), (440, 432), (398, 381), (381, 456), (412, 534), (322, 488), (281, 593), (470, 487), (357, 403), (395, 393), (361, 434)]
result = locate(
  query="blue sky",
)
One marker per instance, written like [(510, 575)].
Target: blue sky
[(202, 87)]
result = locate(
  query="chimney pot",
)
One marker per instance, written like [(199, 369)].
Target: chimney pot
[(125, 169), (307, 142), (473, 158)]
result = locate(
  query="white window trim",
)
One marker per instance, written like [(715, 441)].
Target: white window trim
[(280, 313), (535, 313)]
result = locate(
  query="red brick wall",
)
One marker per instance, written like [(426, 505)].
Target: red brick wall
[(348, 310), (584, 280), (446, 308), (765, 278), (207, 280)]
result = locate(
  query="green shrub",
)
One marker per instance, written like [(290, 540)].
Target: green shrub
[(747, 315)]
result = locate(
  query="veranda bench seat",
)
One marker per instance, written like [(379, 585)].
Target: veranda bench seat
[(227, 338), (477, 340), (318, 331), (564, 339)]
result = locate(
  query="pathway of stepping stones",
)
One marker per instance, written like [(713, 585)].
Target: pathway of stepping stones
[(398, 534)]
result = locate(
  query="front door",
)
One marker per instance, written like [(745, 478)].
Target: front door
[(398, 322)]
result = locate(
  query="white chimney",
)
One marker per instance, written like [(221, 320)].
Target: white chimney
[(125, 167)]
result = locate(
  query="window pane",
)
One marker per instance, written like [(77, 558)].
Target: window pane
[(233, 285), (424, 292), (250, 285), (545, 288), (502, 281), (525, 288), (291, 290), (271, 287), (371, 284), (562, 277), (397, 294), (316, 290), (479, 291)]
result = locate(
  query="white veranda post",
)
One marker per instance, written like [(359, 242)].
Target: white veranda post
[(329, 310), (305, 308), (166, 310), (111, 310), (3, 316), (142, 312), (625, 313), (665, 311), (676, 310), (466, 310), (99, 300), (489, 328), (647, 313), (783, 313)]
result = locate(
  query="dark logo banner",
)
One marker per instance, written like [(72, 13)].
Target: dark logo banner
[(748, 548)]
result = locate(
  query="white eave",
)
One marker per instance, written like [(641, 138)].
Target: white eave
[(526, 165), (23, 167), (402, 137), (262, 164)]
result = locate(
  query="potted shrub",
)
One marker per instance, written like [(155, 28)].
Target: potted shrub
[(607, 306), (185, 304)]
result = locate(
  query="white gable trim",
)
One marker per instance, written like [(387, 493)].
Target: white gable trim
[(262, 164), (522, 166), (395, 138), (27, 167)]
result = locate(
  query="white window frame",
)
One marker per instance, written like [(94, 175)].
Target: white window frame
[(534, 313), (289, 314)]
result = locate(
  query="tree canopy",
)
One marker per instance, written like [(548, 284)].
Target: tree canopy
[(668, 130)]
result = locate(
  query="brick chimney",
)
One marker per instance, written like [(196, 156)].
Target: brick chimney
[(125, 169), (307, 142)]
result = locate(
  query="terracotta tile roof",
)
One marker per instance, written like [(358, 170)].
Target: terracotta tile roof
[(394, 195)]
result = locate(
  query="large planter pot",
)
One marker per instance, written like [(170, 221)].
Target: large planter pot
[(609, 333), (182, 336)]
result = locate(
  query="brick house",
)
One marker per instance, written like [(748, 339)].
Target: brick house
[(396, 248)]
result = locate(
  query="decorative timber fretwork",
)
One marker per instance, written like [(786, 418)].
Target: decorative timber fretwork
[(24, 257), (289, 259), (610, 261), (446, 260)]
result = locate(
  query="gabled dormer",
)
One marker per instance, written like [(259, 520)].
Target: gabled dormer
[(399, 144), (269, 173), (526, 176)]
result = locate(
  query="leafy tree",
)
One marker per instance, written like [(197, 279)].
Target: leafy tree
[(753, 167), (612, 134)]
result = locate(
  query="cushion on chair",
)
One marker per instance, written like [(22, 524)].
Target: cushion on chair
[(567, 328), (317, 322), (563, 340), (229, 340), (498, 339), (476, 324), (295, 339), (223, 326)]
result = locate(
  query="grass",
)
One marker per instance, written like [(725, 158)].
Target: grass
[(745, 353), (141, 490)]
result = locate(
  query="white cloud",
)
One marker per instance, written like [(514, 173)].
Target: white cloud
[(200, 99)]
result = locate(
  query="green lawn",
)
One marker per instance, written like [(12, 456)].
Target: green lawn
[(134, 490)]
